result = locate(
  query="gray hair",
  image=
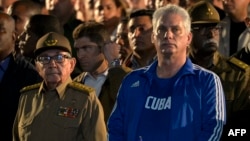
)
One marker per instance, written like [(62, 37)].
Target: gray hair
[(172, 9)]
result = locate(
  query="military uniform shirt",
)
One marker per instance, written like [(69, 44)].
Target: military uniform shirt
[(235, 79), (71, 112)]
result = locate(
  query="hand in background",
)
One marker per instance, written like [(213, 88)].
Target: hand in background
[(111, 51)]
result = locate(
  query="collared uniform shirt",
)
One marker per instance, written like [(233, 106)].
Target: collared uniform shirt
[(71, 112), (235, 79)]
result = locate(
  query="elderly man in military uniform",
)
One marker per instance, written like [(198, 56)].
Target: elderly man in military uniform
[(58, 109), (234, 74)]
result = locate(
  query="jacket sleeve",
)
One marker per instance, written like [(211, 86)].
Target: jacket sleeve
[(214, 111), (15, 130), (93, 125), (116, 120)]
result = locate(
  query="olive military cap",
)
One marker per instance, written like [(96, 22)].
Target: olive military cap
[(52, 40), (203, 12)]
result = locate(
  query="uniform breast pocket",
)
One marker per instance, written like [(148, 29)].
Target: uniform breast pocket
[(67, 118), (66, 125)]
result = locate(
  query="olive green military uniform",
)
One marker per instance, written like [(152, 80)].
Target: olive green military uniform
[(235, 78), (234, 74), (71, 112)]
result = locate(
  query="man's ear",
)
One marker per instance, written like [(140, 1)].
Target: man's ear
[(72, 64), (14, 38), (190, 37), (153, 37)]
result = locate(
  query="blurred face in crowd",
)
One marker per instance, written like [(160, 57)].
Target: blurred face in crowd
[(7, 35), (28, 40), (106, 11), (139, 33), (21, 16), (170, 36), (205, 39), (137, 4), (57, 69), (89, 54), (5, 4), (150, 4), (161, 3), (235, 7), (84, 6), (60, 8), (122, 40)]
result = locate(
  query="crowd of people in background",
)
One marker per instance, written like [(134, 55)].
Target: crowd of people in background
[(124, 70)]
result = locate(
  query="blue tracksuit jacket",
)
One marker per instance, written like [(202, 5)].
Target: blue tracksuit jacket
[(197, 106)]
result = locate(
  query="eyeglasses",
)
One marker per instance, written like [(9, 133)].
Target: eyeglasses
[(205, 30), (57, 58)]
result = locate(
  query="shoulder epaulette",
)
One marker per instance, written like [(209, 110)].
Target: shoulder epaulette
[(30, 87), (238, 63), (81, 87)]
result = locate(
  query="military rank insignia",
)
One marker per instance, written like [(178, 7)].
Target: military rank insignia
[(50, 41), (68, 112)]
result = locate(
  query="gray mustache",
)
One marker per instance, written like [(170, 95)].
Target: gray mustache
[(211, 41)]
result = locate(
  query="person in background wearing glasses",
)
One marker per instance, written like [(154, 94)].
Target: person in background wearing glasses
[(233, 73), (58, 109), (172, 99)]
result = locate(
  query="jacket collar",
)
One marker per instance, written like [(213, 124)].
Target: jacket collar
[(186, 69), (60, 89)]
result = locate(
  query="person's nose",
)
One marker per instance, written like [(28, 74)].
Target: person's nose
[(168, 34), (119, 41), (136, 32), (210, 33), (81, 53), (52, 63)]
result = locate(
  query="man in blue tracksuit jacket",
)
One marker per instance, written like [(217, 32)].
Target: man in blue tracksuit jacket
[(197, 107), (173, 100)]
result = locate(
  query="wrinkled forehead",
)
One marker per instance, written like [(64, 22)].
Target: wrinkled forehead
[(171, 19), (6, 21)]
